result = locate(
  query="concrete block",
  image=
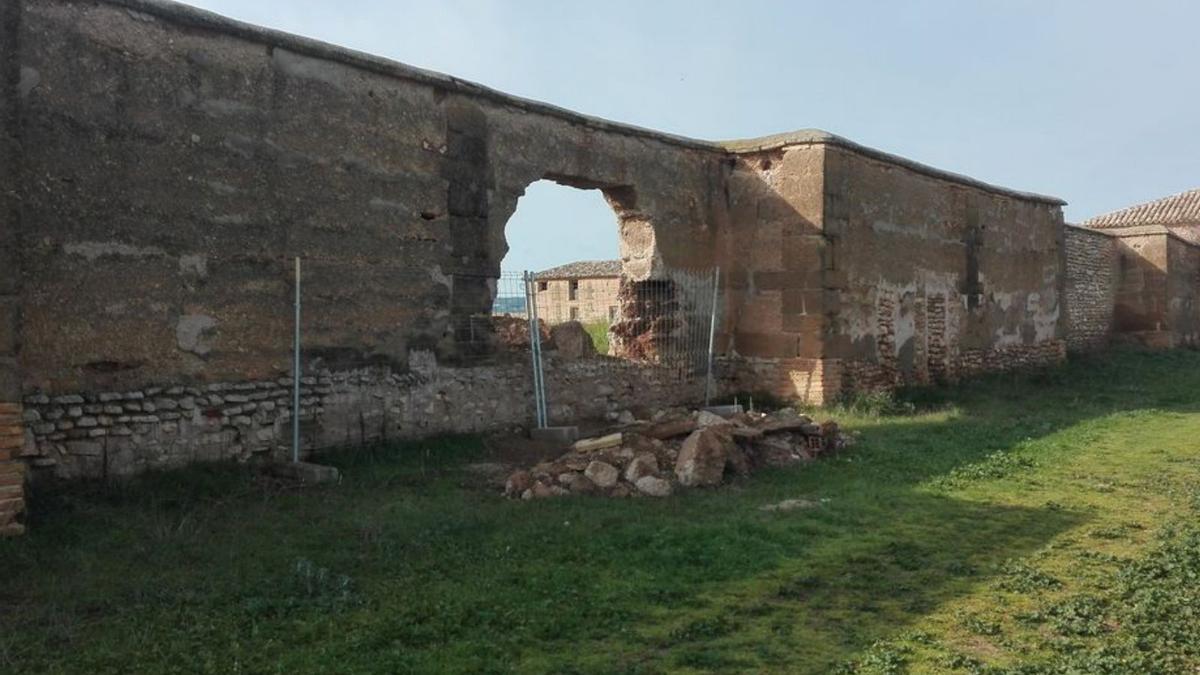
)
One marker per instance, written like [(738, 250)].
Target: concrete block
[(555, 434), (724, 410)]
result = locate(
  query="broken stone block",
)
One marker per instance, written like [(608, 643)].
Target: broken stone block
[(705, 418), (518, 483), (571, 341), (541, 491), (603, 474), (702, 458), (671, 428), (590, 444), (645, 464), (579, 484), (785, 420), (653, 486)]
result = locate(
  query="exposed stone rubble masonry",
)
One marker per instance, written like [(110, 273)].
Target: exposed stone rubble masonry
[(115, 433), (1092, 277)]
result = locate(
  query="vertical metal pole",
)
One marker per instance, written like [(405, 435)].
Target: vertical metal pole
[(296, 374), (533, 355), (712, 335), (535, 339)]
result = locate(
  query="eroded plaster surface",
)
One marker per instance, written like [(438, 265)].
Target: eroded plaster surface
[(174, 163)]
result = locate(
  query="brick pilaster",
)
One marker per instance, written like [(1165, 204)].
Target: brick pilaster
[(12, 469)]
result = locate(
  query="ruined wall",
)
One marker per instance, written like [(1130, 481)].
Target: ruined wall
[(774, 255), (1091, 288), (936, 280), (851, 269), (173, 166), (214, 158), (1141, 301), (1183, 286), (173, 163)]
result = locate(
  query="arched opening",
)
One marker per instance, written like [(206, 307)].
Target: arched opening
[(556, 225), (567, 236)]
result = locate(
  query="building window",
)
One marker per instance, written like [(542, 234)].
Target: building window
[(543, 285), (574, 313), (573, 290)]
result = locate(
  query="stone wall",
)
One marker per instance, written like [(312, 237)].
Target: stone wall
[(936, 281), (173, 167), (1141, 299), (890, 273), (173, 164), (1092, 278), (1183, 287), (111, 433)]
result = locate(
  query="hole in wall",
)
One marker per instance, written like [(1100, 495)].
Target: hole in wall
[(567, 234)]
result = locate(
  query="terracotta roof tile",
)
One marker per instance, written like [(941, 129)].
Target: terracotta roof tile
[(583, 269), (1180, 209)]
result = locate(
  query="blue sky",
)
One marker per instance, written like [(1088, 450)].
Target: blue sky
[(1095, 102)]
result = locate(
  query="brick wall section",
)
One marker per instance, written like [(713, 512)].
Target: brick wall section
[(12, 469), (814, 381), (1092, 278), (1183, 291)]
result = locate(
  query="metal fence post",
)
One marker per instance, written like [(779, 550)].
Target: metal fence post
[(535, 350), (536, 339), (296, 373), (712, 334)]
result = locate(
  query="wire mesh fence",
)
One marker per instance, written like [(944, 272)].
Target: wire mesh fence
[(613, 321), (664, 322)]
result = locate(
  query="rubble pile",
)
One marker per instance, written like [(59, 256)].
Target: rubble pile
[(677, 449)]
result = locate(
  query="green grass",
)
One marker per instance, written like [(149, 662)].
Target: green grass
[(599, 334), (1045, 523)]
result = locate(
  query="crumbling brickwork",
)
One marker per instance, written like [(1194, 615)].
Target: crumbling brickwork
[(896, 273), (12, 469), (1092, 277), (173, 163)]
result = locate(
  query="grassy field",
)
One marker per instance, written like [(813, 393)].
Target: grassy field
[(599, 334), (1045, 523)]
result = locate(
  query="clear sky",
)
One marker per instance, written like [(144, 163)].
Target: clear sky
[(1097, 102)]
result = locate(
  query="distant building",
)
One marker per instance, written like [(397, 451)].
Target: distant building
[(1154, 268), (584, 291)]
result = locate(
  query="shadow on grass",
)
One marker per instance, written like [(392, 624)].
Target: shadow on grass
[(440, 578)]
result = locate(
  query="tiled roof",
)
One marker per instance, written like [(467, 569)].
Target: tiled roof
[(583, 269), (1180, 209)]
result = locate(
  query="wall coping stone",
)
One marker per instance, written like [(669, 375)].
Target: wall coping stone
[(199, 18)]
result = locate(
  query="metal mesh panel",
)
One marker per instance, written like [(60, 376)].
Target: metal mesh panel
[(664, 323)]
